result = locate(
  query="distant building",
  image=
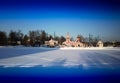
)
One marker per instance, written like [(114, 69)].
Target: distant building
[(100, 44), (51, 43), (19, 42), (75, 43), (67, 42)]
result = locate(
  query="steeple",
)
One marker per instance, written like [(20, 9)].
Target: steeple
[(67, 36), (78, 38)]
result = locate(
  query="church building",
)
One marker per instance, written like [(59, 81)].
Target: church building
[(75, 43)]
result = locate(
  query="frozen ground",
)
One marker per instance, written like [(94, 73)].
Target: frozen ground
[(85, 58), (64, 65)]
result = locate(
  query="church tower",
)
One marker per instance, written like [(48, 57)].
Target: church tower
[(78, 38), (67, 38)]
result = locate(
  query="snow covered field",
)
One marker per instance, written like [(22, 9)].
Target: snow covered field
[(85, 58), (59, 65)]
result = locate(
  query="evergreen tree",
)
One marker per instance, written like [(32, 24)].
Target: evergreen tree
[(3, 38), (13, 37), (25, 40), (61, 40)]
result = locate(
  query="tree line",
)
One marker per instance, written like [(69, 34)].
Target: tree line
[(33, 38), (38, 38)]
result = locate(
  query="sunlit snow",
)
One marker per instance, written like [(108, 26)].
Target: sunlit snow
[(65, 57)]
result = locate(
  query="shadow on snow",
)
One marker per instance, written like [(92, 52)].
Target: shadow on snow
[(13, 52)]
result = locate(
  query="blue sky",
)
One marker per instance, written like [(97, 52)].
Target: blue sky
[(98, 17)]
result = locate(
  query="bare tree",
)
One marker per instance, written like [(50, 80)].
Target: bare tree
[(32, 35), (43, 36)]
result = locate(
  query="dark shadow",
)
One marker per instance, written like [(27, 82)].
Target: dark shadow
[(14, 52)]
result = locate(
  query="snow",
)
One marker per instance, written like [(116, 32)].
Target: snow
[(65, 57)]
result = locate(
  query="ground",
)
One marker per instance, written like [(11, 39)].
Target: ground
[(59, 62), (66, 57)]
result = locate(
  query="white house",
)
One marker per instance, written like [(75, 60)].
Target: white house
[(100, 44)]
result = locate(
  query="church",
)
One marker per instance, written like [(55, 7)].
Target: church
[(76, 43)]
